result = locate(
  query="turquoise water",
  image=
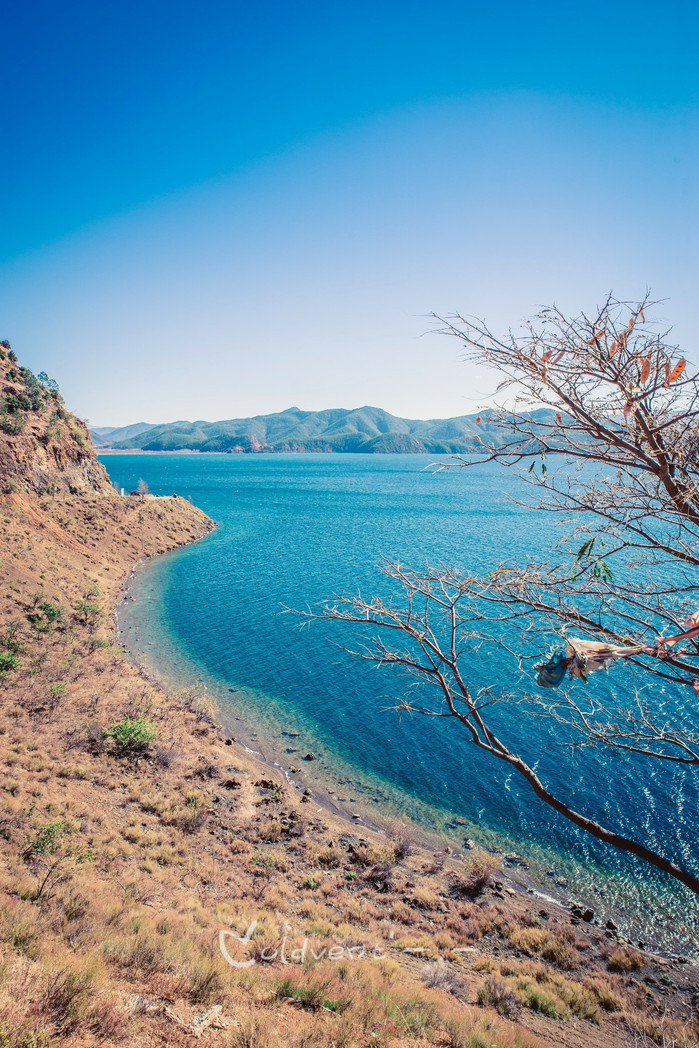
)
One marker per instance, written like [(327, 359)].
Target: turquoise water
[(294, 529)]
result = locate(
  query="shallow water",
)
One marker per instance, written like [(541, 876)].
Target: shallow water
[(294, 529)]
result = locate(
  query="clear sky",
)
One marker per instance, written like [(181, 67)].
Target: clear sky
[(217, 209)]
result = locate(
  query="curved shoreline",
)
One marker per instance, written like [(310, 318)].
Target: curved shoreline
[(247, 736), (257, 742)]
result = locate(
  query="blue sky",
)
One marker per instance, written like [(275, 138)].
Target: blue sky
[(215, 210)]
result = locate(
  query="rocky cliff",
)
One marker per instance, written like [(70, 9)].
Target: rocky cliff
[(43, 447)]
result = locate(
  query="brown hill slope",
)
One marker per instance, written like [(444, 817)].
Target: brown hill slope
[(132, 832)]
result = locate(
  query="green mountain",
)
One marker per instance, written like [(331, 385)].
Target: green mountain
[(366, 430)]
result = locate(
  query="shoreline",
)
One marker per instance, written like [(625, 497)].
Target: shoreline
[(356, 815), (264, 749), (246, 735)]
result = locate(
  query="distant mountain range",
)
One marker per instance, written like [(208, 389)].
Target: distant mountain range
[(366, 430)]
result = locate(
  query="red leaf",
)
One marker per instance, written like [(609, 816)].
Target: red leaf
[(645, 370), (676, 371)]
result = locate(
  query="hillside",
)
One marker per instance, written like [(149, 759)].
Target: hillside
[(43, 448), (134, 830), (365, 430)]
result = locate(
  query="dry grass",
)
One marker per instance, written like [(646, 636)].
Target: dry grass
[(156, 855)]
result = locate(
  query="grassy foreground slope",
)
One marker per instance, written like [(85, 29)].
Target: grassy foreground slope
[(132, 831)]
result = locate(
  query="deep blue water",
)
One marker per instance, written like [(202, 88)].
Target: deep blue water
[(294, 529)]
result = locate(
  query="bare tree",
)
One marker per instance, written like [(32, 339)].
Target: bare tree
[(619, 409)]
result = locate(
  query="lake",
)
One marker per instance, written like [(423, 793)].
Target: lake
[(295, 529)]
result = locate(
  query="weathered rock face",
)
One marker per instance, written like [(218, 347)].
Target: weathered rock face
[(43, 447)]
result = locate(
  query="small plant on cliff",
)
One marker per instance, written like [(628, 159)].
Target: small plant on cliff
[(47, 840), (53, 854), (8, 661), (131, 737), (51, 434), (88, 610), (57, 691), (35, 393), (45, 616), (11, 638), (11, 423)]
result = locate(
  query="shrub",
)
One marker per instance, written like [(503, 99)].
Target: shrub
[(34, 390), (495, 993), (312, 997), (8, 661), (141, 952), (201, 982), (440, 976), (45, 615), (11, 639), (475, 877), (46, 840), (50, 434), (540, 1001), (11, 423), (330, 858), (65, 998), (625, 961), (131, 737), (529, 940), (560, 953), (88, 611), (193, 818)]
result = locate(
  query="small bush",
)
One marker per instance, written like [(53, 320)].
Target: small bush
[(202, 982), (604, 995), (8, 662), (45, 616), (539, 1000), (12, 424), (625, 961), (441, 976), (330, 858), (475, 877), (529, 940), (65, 998), (193, 818), (141, 952), (47, 840), (495, 993), (560, 953), (131, 737)]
